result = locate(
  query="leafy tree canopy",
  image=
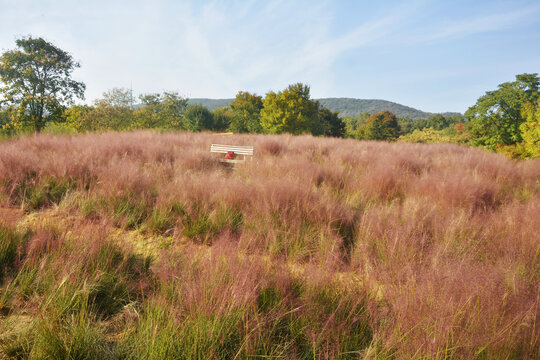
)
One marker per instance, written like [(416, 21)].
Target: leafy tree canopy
[(430, 135), (530, 129), (246, 110), (380, 126), (330, 124), (79, 117), (353, 123), (165, 111), (198, 118), (37, 82), (496, 117), (436, 122), (223, 117), (117, 97), (289, 111)]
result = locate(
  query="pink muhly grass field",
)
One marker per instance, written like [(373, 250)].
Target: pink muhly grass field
[(439, 244)]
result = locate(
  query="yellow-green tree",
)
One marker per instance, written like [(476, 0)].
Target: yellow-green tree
[(118, 97), (112, 112), (79, 118), (289, 111), (530, 129)]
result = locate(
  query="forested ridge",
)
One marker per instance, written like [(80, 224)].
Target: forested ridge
[(344, 106)]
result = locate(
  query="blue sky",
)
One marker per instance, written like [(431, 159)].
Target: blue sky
[(432, 55)]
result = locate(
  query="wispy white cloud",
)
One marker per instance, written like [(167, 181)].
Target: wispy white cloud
[(389, 49), (482, 23), (210, 49), (273, 47)]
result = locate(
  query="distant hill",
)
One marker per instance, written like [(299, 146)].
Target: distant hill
[(210, 104), (354, 107), (345, 106)]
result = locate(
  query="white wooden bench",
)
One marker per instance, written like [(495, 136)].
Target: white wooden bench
[(233, 150)]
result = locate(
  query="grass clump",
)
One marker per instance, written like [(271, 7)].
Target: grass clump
[(161, 221), (202, 224), (11, 250), (339, 308), (108, 294), (154, 335), (77, 337), (129, 211), (76, 286), (45, 192), (90, 208), (16, 346)]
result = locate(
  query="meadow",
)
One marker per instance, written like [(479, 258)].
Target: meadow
[(143, 245)]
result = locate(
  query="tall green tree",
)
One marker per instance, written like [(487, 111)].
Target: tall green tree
[(164, 111), (437, 122), (198, 118), (330, 124), (246, 113), (37, 81), (380, 126), (407, 124), (289, 111), (222, 118), (496, 117)]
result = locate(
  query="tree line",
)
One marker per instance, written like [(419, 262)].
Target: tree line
[(506, 120), (288, 111), (38, 93)]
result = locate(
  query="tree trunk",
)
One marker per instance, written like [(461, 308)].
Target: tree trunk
[(38, 124)]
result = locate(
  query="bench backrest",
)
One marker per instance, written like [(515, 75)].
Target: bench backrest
[(239, 150)]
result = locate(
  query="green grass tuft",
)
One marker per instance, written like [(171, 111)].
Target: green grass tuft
[(11, 248), (34, 195)]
